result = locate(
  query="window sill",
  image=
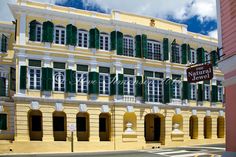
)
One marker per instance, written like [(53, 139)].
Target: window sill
[(58, 92)]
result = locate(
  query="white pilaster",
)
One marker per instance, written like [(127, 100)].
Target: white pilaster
[(22, 29), (118, 66), (22, 62), (168, 71), (7, 84), (139, 71)]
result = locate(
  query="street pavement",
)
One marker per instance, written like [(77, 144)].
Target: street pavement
[(193, 151)]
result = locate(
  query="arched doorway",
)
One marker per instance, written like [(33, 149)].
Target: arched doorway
[(82, 125), (193, 127), (104, 126), (59, 126), (153, 127), (220, 127), (35, 125), (207, 127)]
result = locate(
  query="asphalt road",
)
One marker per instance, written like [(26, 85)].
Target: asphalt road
[(201, 151)]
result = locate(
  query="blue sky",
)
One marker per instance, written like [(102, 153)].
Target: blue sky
[(199, 15)]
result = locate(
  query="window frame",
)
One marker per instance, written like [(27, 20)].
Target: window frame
[(35, 78), (104, 84), (153, 42), (220, 97), (83, 32), (158, 89), (7, 42), (193, 96), (180, 53), (60, 37), (193, 60), (82, 82), (4, 113), (175, 89), (104, 36), (207, 57), (207, 93), (128, 46), (59, 83), (41, 32), (128, 86)]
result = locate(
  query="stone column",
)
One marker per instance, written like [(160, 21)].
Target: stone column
[(47, 121), (201, 115), (94, 124), (214, 117), (186, 118), (168, 125), (71, 120)]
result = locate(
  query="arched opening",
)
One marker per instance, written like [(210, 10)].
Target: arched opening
[(193, 127), (207, 127), (59, 126), (35, 125), (154, 127), (129, 122), (104, 126), (178, 119), (82, 125), (220, 127)]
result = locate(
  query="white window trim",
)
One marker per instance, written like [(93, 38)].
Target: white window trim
[(175, 92), (193, 60), (7, 35), (35, 78), (104, 84), (161, 49), (41, 32), (128, 85), (195, 91), (82, 82), (130, 38), (60, 30), (207, 56), (103, 35), (162, 91), (82, 32), (59, 83), (205, 92), (218, 94), (180, 54)]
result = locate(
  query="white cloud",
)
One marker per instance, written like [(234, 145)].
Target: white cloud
[(213, 34)]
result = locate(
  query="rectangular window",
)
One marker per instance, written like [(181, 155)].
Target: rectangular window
[(58, 123), (193, 91), (129, 85), (102, 125), (128, 43), (38, 33), (82, 82), (176, 89), (207, 92), (83, 39), (104, 80), (81, 124), (34, 78), (60, 35), (155, 90), (104, 42), (59, 80), (176, 56), (3, 43), (154, 50), (36, 123), (207, 58), (193, 57), (220, 93), (3, 121), (13, 79)]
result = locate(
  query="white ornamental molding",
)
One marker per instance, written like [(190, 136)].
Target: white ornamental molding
[(105, 109), (221, 113), (1, 108), (59, 107), (34, 105), (130, 109), (83, 108), (177, 111), (208, 113), (155, 109), (194, 112)]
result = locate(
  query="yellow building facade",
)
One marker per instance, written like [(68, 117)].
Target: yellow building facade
[(118, 80)]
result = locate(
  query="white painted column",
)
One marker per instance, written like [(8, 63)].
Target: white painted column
[(22, 62), (119, 70), (139, 72), (22, 35), (7, 85)]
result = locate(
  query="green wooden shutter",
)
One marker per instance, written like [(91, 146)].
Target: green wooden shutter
[(49, 79), (214, 93), (94, 38), (200, 55), (44, 79), (138, 86), (189, 53), (200, 92), (13, 79), (71, 35), (4, 43), (3, 121), (119, 43), (97, 38), (73, 81), (23, 77), (214, 58), (145, 88), (32, 31), (120, 84), (166, 48), (184, 53), (185, 90), (70, 81), (93, 82), (138, 45), (113, 40), (144, 46), (112, 84), (48, 31), (167, 90), (2, 86)]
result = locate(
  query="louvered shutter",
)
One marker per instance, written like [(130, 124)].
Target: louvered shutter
[(32, 31), (166, 48), (23, 77), (138, 45)]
